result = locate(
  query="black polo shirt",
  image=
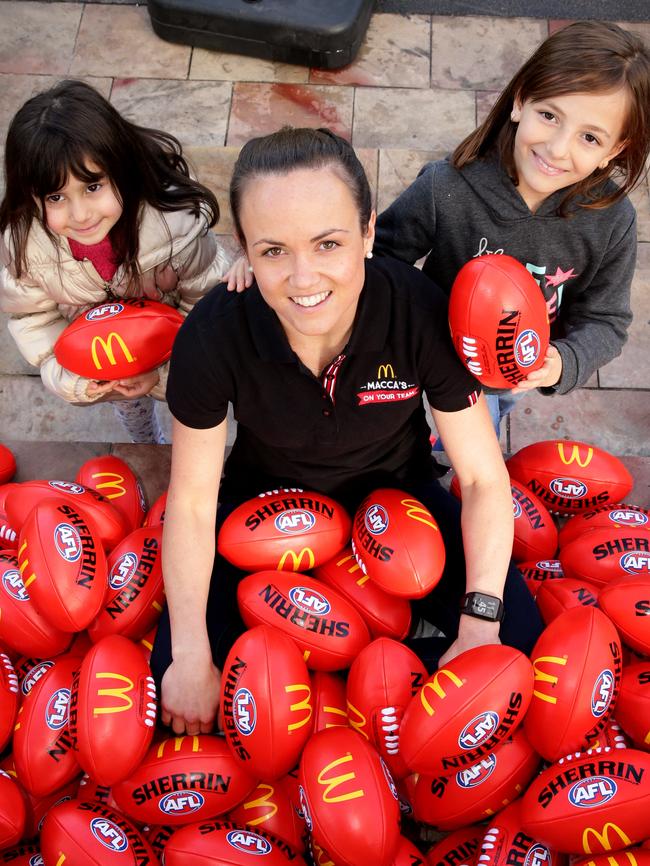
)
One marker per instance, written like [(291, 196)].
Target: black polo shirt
[(360, 425)]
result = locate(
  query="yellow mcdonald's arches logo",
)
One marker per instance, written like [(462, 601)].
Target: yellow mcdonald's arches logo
[(296, 559), (575, 455), (61, 860), (331, 784), (320, 856), (385, 371), (352, 568), (178, 744), (357, 720), (261, 801), (120, 693), (107, 346), (621, 858), (416, 511), (545, 677), (303, 704), (335, 711), (435, 685), (114, 481), (602, 837)]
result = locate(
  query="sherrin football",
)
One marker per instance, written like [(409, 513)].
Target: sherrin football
[(119, 339), (505, 843), (577, 663), (601, 555), (614, 515), (626, 601), (7, 464), (349, 799), (633, 705), (266, 702), (593, 803), (466, 708), (287, 530), (536, 573), (326, 626), (536, 534), (328, 699), (498, 320), (12, 811), (569, 476), (555, 596), (397, 543), (269, 808), (9, 699), (224, 843), (113, 478), (460, 847), (112, 709)]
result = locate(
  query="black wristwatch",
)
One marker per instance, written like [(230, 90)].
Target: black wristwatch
[(482, 606)]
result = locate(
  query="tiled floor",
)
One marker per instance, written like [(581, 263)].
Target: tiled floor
[(419, 84)]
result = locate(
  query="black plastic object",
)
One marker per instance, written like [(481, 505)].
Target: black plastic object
[(320, 33)]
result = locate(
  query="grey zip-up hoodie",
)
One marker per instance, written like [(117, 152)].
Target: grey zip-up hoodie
[(583, 263)]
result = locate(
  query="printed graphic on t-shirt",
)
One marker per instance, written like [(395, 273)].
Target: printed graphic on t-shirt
[(386, 387)]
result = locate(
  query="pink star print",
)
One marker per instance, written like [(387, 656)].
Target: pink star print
[(559, 277)]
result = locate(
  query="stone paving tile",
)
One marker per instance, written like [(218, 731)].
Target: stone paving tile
[(213, 166), (258, 109), (480, 52), (38, 38), (11, 361), (398, 169), (151, 463), (485, 99), (411, 119), (119, 41), (630, 369), (641, 200), (396, 51), (614, 420), (639, 468), (196, 112), (217, 65), (58, 461)]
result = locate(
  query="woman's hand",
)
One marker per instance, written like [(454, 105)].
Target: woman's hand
[(190, 692), (137, 386), (240, 276), (472, 632), (547, 375), (98, 388)]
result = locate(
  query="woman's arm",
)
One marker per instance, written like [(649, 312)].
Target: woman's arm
[(191, 684), (486, 517)]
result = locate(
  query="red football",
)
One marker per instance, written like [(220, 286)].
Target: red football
[(466, 708), (346, 790), (119, 339), (9, 699), (535, 573), (385, 615), (156, 513), (591, 803), (601, 555), (114, 479), (224, 843), (38, 807), (498, 320), (113, 709), (614, 515), (7, 464), (626, 601), (183, 780), (63, 564), (577, 663), (288, 530), (555, 596), (22, 628), (460, 847), (89, 833), (328, 699), (535, 532), (325, 625), (398, 544), (269, 808), (266, 702), (22, 855), (570, 476), (135, 596), (478, 791), (8, 535), (108, 520), (504, 842), (12, 811), (381, 682), (43, 746), (633, 705), (407, 854), (626, 857)]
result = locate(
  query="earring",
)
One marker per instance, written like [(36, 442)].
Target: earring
[(514, 116), (250, 269), (369, 254)]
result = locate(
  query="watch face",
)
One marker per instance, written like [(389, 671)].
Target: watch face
[(486, 606)]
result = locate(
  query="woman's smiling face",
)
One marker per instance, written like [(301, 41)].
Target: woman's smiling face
[(306, 246)]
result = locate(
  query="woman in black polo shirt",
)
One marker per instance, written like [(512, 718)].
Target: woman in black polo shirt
[(303, 356)]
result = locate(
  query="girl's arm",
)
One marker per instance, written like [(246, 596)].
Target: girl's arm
[(199, 267), (486, 518), (407, 228), (191, 684)]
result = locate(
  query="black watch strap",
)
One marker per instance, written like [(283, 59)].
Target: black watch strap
[(482, 606)]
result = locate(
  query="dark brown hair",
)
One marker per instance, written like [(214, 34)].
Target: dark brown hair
[(288, 149), (585, 57), (58, 133)]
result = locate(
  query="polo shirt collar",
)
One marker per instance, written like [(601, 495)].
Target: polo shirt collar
[(369, 333)]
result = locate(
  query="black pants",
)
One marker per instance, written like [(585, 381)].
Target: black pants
[(520, 628)]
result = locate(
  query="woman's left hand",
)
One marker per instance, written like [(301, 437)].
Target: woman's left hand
[(547, 375), (137, 386), (472, 632)]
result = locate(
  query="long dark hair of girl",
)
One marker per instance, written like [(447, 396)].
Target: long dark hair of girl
[(585, 57), (62, 131)]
